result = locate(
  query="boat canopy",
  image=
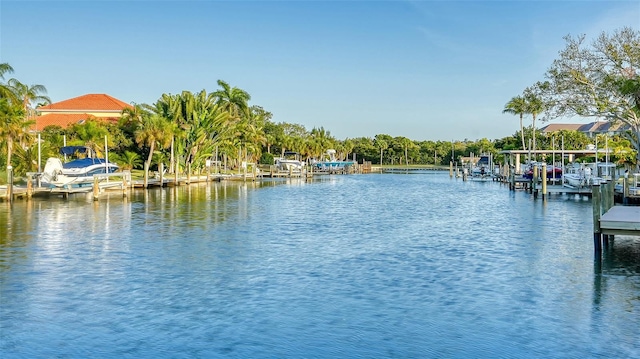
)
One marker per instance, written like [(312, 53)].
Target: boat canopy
[(84, 162), (72, 150)]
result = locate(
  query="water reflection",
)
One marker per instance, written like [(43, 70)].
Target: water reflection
[(340, 266)]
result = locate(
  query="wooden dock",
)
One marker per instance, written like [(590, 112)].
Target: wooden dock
[(610, 220), (621, 220)]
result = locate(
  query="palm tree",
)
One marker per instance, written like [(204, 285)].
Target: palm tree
[(154, 130), (91, 134), (134, 115), (534, 107), (406, 143), (128, 160), (5, 90), (382, 145), (232, 99), (29, 95), (13, 125), (517, 106), (348, 146)]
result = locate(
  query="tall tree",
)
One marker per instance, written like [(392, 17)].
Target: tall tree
[(534, 106), (5, 90), (155, 130), (517, 106), (585, 80), (232, 99), (381, 144), (29, 95), (13, 125), (91, 134)]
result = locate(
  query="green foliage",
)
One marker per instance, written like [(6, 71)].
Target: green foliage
[(266, 159), (597, 80), (127, 161)]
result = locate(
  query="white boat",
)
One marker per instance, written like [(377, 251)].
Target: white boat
[(481, 173), (77, 172), (330, 162), (481, 170), (290, 161)]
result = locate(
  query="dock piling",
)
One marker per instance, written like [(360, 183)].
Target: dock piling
[(10, 183), (544, 181), (96, 188), (29, 187), (597, 234)]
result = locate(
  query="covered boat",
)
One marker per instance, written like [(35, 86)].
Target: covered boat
[(76, 172)]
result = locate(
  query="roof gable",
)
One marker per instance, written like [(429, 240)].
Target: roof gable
[(89, 102)]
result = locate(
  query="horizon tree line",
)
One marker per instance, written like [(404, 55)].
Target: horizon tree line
[(187, 129)]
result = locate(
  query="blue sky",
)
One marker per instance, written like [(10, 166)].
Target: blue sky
[(426, 70)]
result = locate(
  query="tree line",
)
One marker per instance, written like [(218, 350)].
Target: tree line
[(185, 130)]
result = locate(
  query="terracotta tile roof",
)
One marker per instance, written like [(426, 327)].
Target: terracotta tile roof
[(88, 103), (562, 126), (65, 120)]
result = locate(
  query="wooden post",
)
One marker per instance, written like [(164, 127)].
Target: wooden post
[(597, 235), (96, 188), (534, 181), (189, 173), (10, 183), (290, 171), (271, 167), (625, 191), (544, 181), (450, 168), (512, 177), (161, 172), (607, 199), (208, 170), (124, 183), (607, 203), (29, 186), (146, 175), (254, 168), (175, 174)]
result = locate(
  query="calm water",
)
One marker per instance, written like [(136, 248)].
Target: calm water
[(369, 266)]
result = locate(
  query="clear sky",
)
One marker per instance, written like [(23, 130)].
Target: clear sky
[(426, 70)]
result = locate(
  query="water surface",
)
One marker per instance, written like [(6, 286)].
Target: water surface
[(363, 266)]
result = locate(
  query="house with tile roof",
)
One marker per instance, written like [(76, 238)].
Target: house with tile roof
[(79, 109), (590, 129)]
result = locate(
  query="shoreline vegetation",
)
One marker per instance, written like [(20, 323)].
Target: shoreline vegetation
[(186, 130)]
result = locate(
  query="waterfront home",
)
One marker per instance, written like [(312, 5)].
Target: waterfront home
[(79, 109)]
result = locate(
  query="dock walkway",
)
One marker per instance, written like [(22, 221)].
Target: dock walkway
[(621, 220)]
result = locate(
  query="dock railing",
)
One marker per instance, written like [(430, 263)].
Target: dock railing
[(99, 185)]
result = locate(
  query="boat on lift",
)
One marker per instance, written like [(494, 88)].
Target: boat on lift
[(77, 172)]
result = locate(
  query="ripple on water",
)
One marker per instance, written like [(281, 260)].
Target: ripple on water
[(342, 266)]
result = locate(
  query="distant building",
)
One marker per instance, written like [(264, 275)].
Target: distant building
[(590, 129), (78, 110)]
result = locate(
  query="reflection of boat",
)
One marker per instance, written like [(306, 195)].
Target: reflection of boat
[(290, 161), (76, 172), (331, 162)]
